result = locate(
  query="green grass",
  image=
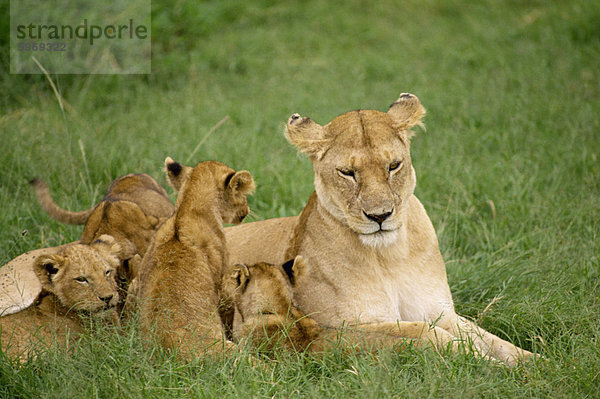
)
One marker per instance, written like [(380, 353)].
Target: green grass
[(508, 171)]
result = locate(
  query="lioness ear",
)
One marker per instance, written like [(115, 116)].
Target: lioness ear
[(295, 268), (239, 275), (47, 268), (176, 173), (308, 136), (407, 112), (240, 182)]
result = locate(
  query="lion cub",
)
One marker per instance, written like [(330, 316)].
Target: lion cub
[(261, 296), (266, 315), (180, 276), (79, 279), (131, 211)]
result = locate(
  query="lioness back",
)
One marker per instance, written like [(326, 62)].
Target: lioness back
[(246, 242)]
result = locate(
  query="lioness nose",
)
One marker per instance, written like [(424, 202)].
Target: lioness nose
[(106, 299), (380, 218)]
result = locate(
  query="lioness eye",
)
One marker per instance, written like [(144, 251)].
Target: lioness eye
[(394, 165), (346, 172), (81, 279)]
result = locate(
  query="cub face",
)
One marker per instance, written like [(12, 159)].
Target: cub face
[(83, 277), (262, 289), (363, 169), (231, 191)]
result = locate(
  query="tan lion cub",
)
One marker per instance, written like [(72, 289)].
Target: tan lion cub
[(78, 279), (266, 315), (180, 276), (131, 211)]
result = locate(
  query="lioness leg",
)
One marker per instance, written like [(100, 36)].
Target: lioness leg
[(422, 332), (487, 343)]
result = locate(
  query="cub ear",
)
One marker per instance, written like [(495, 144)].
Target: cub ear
[(125, 250), (47, 268), (134, 266), (107, 245), (295, 268), (176, 173), (240, 182), (308, 136), (128, 270), (407, 112), (239, 275)]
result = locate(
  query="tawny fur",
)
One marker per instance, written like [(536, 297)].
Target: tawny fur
[(179, 284), (131, 210), (78, 278), (19, 285), (265, 314), (373, 251)]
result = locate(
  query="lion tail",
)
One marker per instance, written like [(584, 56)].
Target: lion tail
[(62, 215)]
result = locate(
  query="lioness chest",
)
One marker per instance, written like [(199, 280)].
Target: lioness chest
[(371, 291), (359, 284)]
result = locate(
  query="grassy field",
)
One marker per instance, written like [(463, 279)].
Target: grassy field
[(508, 171)]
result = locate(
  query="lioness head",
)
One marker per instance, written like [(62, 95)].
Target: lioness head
[(231, 190), (362, 164), (82, 276)]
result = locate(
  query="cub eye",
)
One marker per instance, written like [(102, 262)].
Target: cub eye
[(81, 279), (346, 173), (108, 273), (394, 166)]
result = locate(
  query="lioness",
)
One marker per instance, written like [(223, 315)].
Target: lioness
[(131, 210), (77, 278), (180, 276), (265, 314), (373, 251)]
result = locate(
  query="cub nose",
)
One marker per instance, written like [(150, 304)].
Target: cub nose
[(106, 299), (380, 218)]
